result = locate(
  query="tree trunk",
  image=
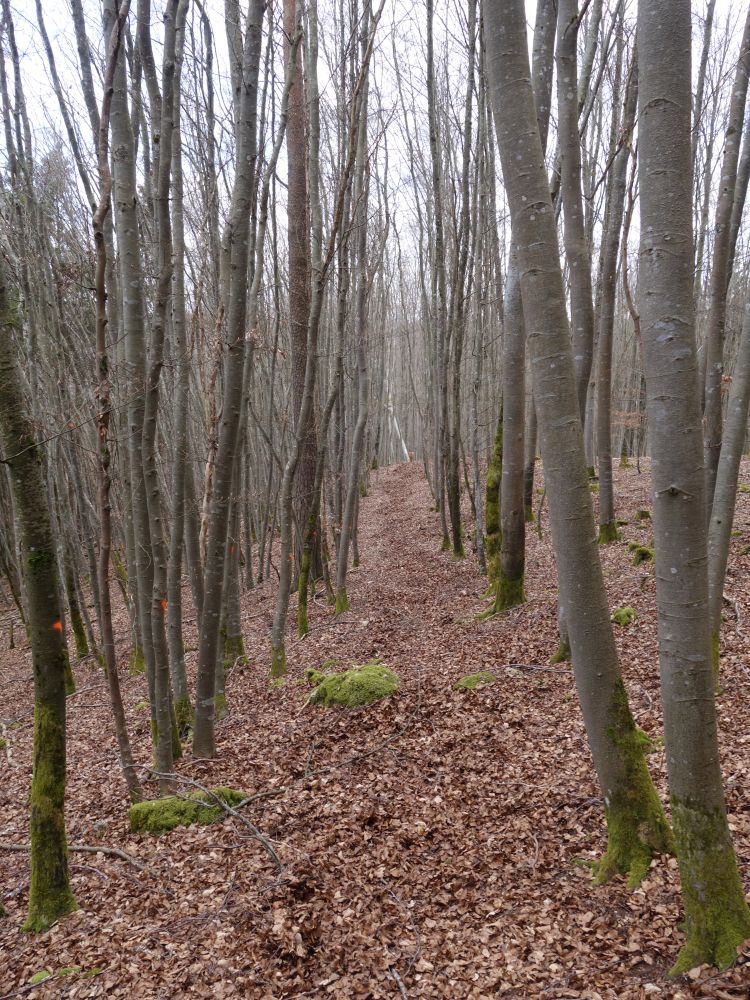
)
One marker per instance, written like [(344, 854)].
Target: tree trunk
[(717, 916), (50, 895), (635, 818)]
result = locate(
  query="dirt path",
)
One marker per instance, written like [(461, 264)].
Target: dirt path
[(431, 842)]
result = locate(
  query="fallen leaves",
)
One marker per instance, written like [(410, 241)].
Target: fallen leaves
[(431, 842)]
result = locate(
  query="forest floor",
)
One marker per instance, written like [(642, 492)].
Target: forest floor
[(432, 843)]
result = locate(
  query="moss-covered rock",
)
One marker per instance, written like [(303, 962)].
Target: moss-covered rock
[(473, 681), (359, 686), (641, 553), (744, 551), (743, 488), (163, 815), (624, 616), (643, 515)]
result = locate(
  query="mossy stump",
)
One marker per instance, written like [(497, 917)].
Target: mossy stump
[(163, 815), (641, 553), (561, 654), (608, 533), (624, 616), (361, 685)]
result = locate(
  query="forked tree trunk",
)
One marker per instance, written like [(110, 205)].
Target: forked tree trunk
[(717, 916), (635, 818)]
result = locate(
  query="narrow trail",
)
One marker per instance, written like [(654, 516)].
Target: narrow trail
[(431, 842)]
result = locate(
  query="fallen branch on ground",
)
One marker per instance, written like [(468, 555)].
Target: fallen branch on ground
[(114, 852)]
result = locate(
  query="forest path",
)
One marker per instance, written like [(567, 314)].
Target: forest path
[(430, 841)]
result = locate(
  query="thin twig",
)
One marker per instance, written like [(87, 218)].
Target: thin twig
[(257, 835), (114, 852), (399, 981)]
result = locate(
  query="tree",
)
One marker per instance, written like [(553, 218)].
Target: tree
[(50, 895), (717, 916), (636, 824)]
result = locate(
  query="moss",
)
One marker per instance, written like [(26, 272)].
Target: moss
[(508, 593), (3, 743), (141, 706), (641, 553), (359, 686), (636, 825), (717, 917), (592, 472), (643, 515), (314, 676), (70, 683), (608, 533), (492, 505), (621, 523), (50, 895), (39, 977), (473, 681), (744, 551), (221, 707), (79, 635), (624, 616), (183, 713), (445, 545), (743, 488), (562, 653), (594, 487), (278, 661), (234, 653), (342, 600), (69, 970), (528, 514), (136, 663), (164, 815)]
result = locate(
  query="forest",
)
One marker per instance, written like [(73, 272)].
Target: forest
[(375, 499)]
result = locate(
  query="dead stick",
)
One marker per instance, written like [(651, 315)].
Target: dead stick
[(114, 852)]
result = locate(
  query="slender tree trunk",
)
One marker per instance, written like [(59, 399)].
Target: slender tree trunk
[(246, 98), (717, 916), (720, 267), (635, 818), (610, 248), (50, 895)]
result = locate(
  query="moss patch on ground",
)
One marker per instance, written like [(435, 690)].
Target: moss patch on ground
[(473, 681), (624, 616), (641, 553), (361, 685), (163, 815)]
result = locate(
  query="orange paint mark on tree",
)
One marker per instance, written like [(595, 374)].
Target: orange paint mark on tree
[(57, 626)]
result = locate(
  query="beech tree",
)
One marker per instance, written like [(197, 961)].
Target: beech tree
[(636, 823), (717, 916)]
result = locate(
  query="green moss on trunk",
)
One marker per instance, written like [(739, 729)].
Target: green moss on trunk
[(50, 896), (562, 653), (717, 917), (508, 593), (234, 653), (136, 663), (608, 532), (637, 827), (70, 684), (278, 662), (342, 600), (183, 711), (492, 506)]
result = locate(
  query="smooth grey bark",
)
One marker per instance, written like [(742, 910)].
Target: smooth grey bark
[(720, 269), (635, 817), (717, 916), (725, 494), (181, 694), (577, 251), (237, 241), (610, 249)]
